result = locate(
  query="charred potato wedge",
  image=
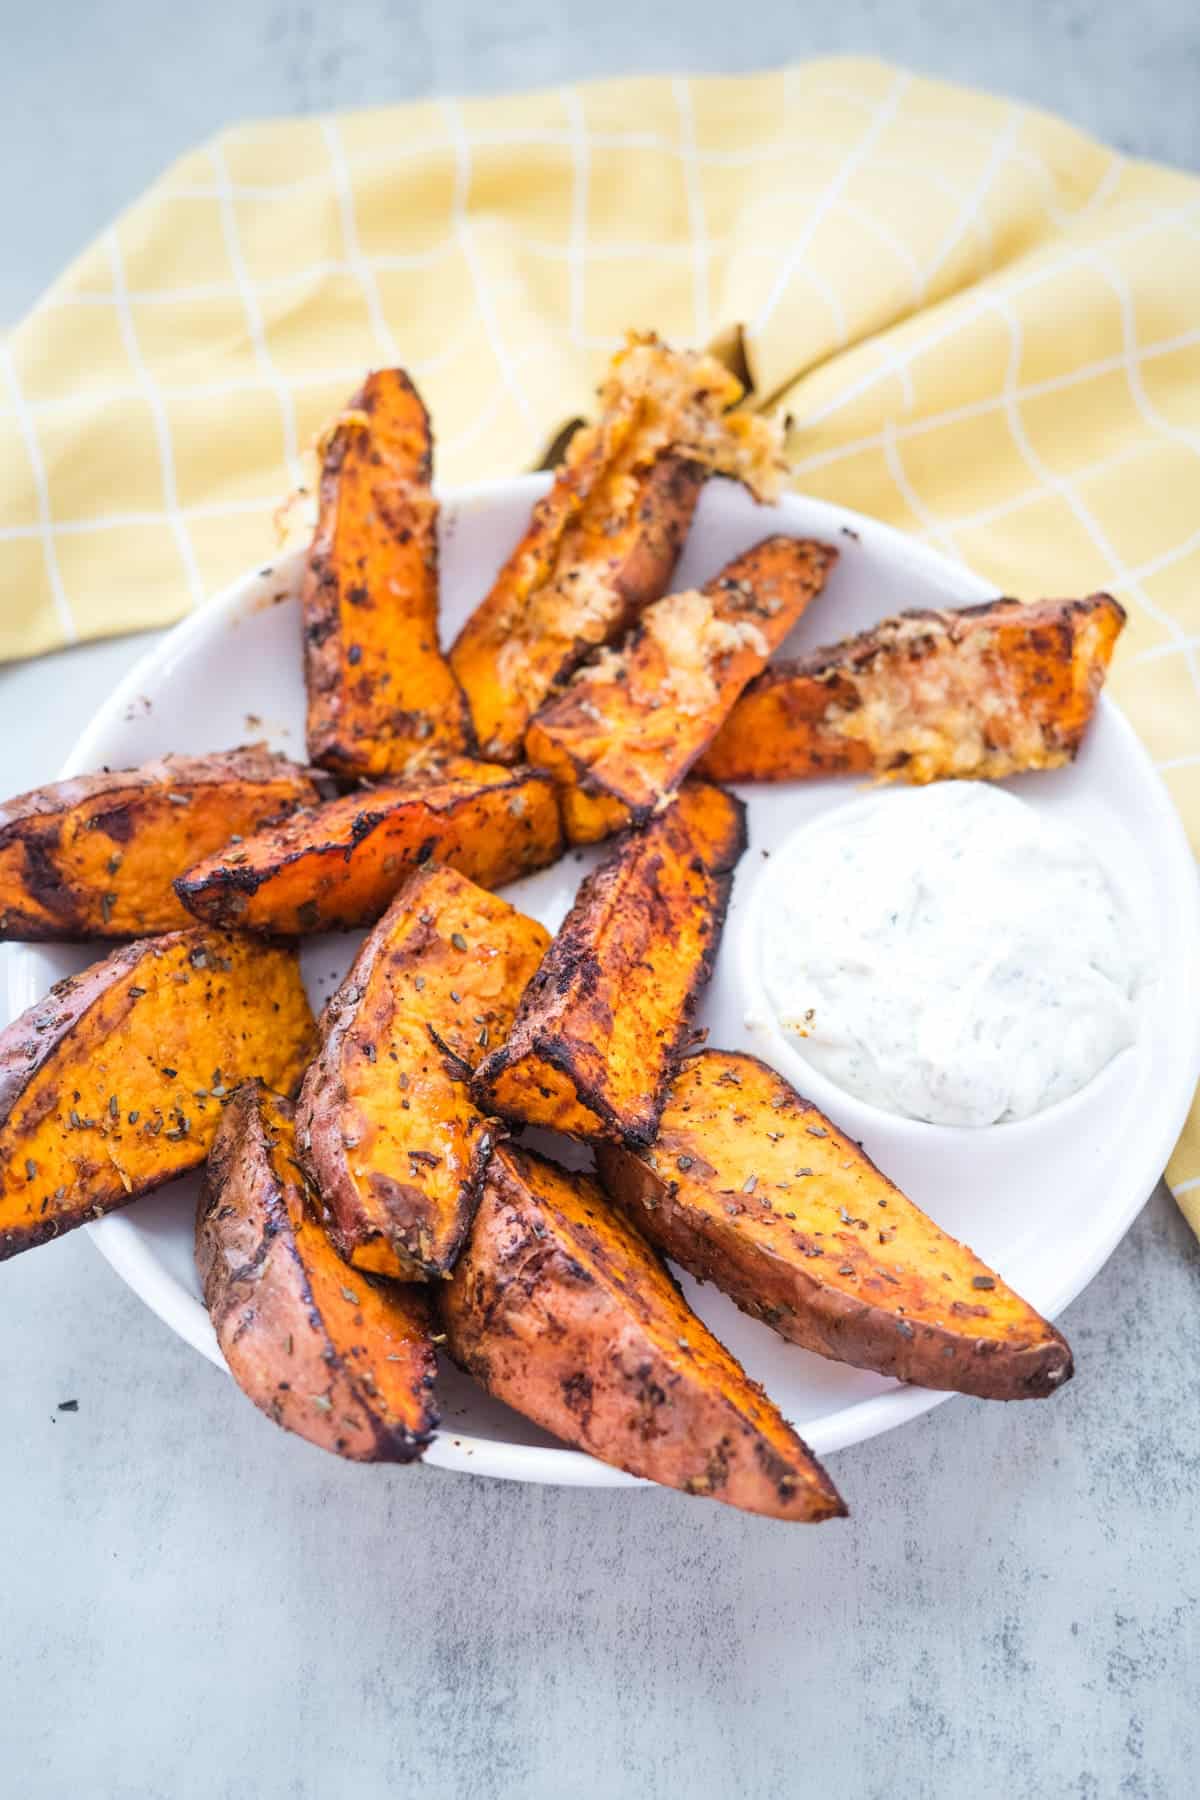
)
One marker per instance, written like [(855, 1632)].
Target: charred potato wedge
[(604, 540), (340, 864), (983, 693), (747, 1185), (95, 856), (386, 1122), (563, 1311), (597, 1035), (114, 1083), (342, 1360), (380, 692), (631, 723)]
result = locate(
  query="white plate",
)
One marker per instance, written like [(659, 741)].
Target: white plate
[(1044, 1203)]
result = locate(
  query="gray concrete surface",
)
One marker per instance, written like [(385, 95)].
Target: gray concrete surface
[(97, 97), (192, 1605)]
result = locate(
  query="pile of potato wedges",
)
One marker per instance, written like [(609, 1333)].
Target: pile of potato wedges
[(367, 1191)]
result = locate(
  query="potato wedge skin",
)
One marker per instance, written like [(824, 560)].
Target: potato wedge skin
[(602, 543), (95, 856), (597, 1035), (580, 573), (748, 1186), (380, 692), (630, 725), (985, 692), (386, 1122), (340, 865), (113, 1084), (343, 1361), (560, 1308)]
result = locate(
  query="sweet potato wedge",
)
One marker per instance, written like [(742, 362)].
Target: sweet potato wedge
[(563, 1311), (340, 864), (986, 692), (603, 541), (747, 1185), (380, 692), (95, 856), (386, 1123), (346, 1362), (596, 1037), (113, 1084), (632, 722)]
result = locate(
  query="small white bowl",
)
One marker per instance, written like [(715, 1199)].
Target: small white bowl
[(861, 1117)]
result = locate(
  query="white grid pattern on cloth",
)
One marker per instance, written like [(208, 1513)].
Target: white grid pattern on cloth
[(465, 232), (158, 411), (254, 318), (358, 265), (45, 528), (881, 118), (462, 228), (1119, 575), (697, 229), (577, 246)]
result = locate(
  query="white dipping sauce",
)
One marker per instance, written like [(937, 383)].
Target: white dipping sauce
[(948, 954)]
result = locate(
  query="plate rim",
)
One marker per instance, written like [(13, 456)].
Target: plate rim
[(116, 1237)]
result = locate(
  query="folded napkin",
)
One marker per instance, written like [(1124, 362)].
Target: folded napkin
[(981, 324)]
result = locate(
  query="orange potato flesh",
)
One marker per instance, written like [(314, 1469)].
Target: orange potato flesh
[(982, 693), (604, 540), (749, 1186), (95, 856), (341, 1360), (600, 544), (380, 692), (114, 1083), (340, 865), (594, 1043), (386, 1120), (563, 1311), (631, 724)]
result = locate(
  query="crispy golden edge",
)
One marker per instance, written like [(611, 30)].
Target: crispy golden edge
[(94, 856), (602, 542), (629, 726), (335, 1357), (556, 1067), (559, 1307), (587, 563), (749, 1186), (381, 696), (108, 1089), (1038, 669), (446, 959), (341, 864)]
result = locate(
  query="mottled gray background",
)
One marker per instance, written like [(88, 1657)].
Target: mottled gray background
[(192, 1605)]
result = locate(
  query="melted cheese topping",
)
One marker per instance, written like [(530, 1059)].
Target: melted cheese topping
[(953, 710), (682, 400), (692, 640)]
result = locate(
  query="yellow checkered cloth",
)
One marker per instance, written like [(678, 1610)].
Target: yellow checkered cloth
[(982, 325)]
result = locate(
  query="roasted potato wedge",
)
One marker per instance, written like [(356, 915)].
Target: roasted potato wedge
[(596, 1037), (563, 1311), (986, 692), (113, 1084), (386, 1122), (747, 1185), (346, 1362), (633, 721), (603, 541), (340, 864), (95, 856), (380, 692)]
